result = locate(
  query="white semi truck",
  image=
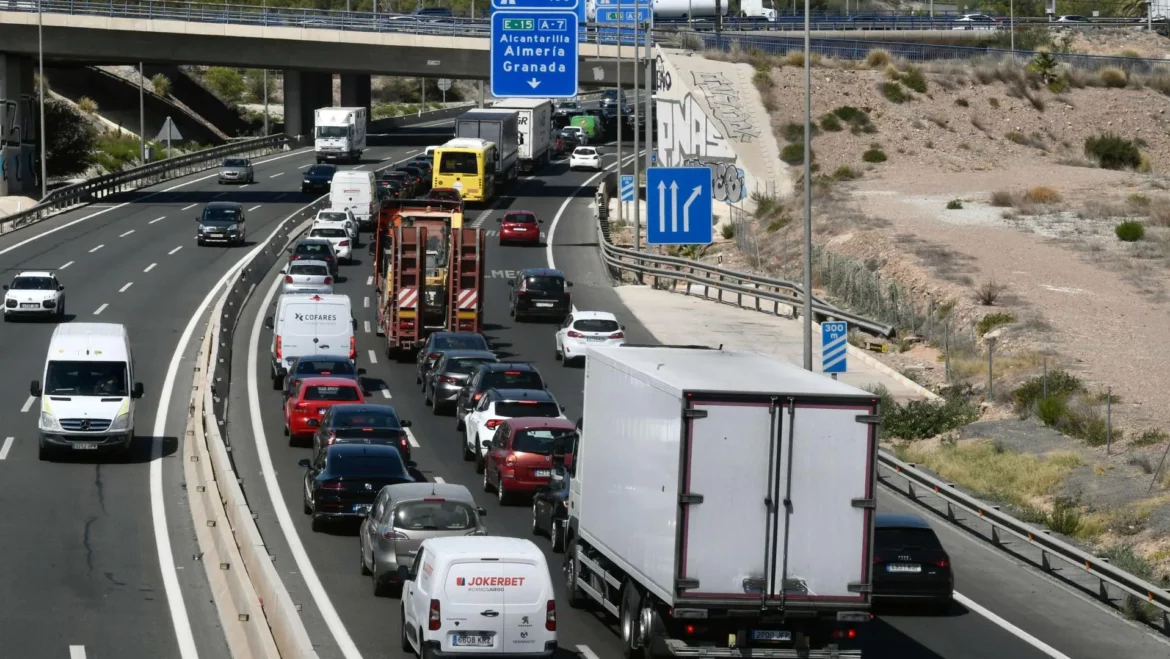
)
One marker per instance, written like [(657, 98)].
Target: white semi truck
[(722, 504), (534, 120), (340, 134)]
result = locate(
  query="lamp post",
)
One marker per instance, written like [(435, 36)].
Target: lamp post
[(41, 96), (141, 115), (808, 355)]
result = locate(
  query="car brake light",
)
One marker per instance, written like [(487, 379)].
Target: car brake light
[(527, 402), (402, 442), (618, 335), (434, 500), (493, 423), (448, 379), (575, 335), (329, 280), (510, 460), (301, 408), (477, 396), (288, 279), (278, 350), (511, 372), (550, 616), (845, 633), (352, 348), (332, 436), (877, 560), (333, 485), (942, 562), (434, 621), (344, 243), (390, 534), (433, 355)]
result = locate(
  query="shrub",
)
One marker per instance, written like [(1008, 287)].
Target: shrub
[(1003, 199), (1061, 384), (1113, 152), (727, 231), (1051, 409), (1130, 231), (989, 292), (778, 224), (794, 132), (794, 58), (1065, 517), (914, 79), (1113, 77), (69, 139), (954, 205), (1042, 195), (993, 320), (793, 154), (852, 115), (831, 123), (874, 155), (763, 80), (846, 174), (893, 92), (1148, 437), (962, 102), (87, 105), (877, 58), (993, 102), (225, 83), (920, 419), (161, 84), (1131, 53), (1139, 200)]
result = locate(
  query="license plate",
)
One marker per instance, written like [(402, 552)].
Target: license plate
[(597, 339), (217, 235), (904, 568), (771, 635), (543, 473), (544, 304), (30, 305), (469, 641), (86, 446), (361, 508)]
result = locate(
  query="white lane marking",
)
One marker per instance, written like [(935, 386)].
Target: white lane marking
[(370, 280), (27, 404), (277, 174), (174, 250), (410, 438), (254, 207), (366, 302), (245, 185), (586, 652), (552, 229), (96, 248), (66, 265), (373, 357), (128, 285), (76, 652), (127, 233), (1010, 628), (160, 219), (127, 203), (101, 309), (305, 166), (358, 167), (439, 479), (367, 326), (296, 547), (385, 393), (187, 208), (150, 267), (6, 448)]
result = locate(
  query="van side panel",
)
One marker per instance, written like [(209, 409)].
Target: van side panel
[(525, 603), (470, 588), (334, 328)]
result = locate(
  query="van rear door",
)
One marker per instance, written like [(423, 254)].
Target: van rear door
[(296, 330), (526, 596), (334, 327), (473, 607)]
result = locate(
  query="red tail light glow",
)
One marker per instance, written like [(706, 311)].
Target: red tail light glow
[(434, 622), (352, 348), (331, 438), (447, 379), (942, 562), (278, 350), (877, 560), (510, 460), (329, 280), (344, 243), (288, 279), (618, 335), (550, 616), (573, 334), (333, 485), (845, 633), (433, 355), (301, 408), (477, 396), (493, 423), (690, 629)]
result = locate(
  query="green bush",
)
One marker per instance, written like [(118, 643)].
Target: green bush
[(893, 92), (794, 132), (1060, 383), (1130, 231), (874, 155), (852, 115), (763, 80), (161, 84), (831, 123), (993, 320), (70, 140), (920, 419), (954, 205), (225, 83), (914, 79), (793, 154), (1051, 410), (846, 174), (1065, 517), (1113, 152), (727, 231)]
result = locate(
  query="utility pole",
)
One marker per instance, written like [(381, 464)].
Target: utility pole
[(620, 205), (266, 103), (808, 351), (141, 113), (41, 95), (648, 115)]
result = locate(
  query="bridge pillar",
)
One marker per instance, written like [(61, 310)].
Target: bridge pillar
[(356, 92), (20, 168), (304, 92)]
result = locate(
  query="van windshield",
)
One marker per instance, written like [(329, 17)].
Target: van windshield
[(434, 516), (68, 378)]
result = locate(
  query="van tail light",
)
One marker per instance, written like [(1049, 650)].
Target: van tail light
[(332, 485), (434, 621), (288, 279), (575, 335), (329, 280), (352, 348), (279, 354), (390, 534), (493, 423), (618, 335), (550, 616)]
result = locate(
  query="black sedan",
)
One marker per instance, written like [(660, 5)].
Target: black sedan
[(429, 353), (420, 178), (309, 366), (910, 564), (362, 424), (391, 188), (550, 510), (409, 188), (318, 178), (342, 480)]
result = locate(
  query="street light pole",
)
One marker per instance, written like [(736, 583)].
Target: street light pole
[(141, 115), (648, 118), (808, 355), (1012, 22), (620, 205), (41, 97), (265, 102)]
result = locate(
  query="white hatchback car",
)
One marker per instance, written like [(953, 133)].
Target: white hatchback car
[(497, 406), (36, 294), (587, 328), (333, 216), (337, 233), (585, 157), (579, 133)]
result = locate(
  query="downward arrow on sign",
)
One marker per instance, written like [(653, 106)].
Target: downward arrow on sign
[(534, 83)]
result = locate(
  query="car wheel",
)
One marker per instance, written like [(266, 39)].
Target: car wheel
[(460, 426), (44, 453), (305, 503), (362, 560), (287, 433), (277, 382), (406, 646), (503, 497), (480, 465), (436, 409), (558, 354), (565, 361), (487, 484), (318, 524), (536, 530), (468, 456), (573, 592)]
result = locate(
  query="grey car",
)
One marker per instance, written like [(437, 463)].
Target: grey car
[(404, 515), (221, 222), (236, 170), (450, 373), (307, 278)]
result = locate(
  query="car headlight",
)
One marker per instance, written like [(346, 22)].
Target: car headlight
[(121, 423), (49, 422), (234, 227), (49, 304)]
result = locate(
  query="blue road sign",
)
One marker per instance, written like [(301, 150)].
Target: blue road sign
[(678, 206), (626, 4), (628, 15), (534, 54), (653, 157), (627, 187), (834, 338), (547, 5)]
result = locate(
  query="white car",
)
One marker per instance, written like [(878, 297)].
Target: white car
[(587, 328), (333, 216), (34, 294), (975, 22), (337, 233), (579, 133), (497, 406), (585, 157)]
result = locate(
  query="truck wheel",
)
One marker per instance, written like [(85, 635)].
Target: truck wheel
[(574, 594), (629, 623)]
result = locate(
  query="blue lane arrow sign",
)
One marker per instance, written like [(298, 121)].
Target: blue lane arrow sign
[(534, 54), (834, 337)]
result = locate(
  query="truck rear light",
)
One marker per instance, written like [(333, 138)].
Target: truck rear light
[(575, 335), (550, 616), (849, 633), (278, 349), (690, 629), (493, 423), (434, 622), (288, 279), (618, 335)]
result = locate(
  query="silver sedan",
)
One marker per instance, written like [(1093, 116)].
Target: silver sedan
[(307, 278)]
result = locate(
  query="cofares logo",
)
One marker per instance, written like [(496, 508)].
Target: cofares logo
[(306, 317), (488, 584)]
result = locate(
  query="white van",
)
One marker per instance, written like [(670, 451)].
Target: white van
[(309, 325), (478, 595), (357, 192), (87, 400)]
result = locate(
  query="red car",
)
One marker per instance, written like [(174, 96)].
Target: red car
[(520, 227), (311, 399), (520, 457)]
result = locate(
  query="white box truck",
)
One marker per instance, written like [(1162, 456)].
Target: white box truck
[(722, 504), (535, 123), (340, 133)]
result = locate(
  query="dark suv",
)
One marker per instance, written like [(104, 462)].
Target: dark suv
[(496, 375), (221, 222), (540, 293)]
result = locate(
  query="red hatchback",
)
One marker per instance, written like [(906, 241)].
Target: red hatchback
[(311, 399), (520, 457), (520, 227)]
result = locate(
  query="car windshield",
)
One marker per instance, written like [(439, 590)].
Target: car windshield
[(544, 284), (235, 162), (458, 162), (331, 392), (332, 131), (465, 364), (390, 183), (461, 342), (332, 216), (520, 218), (596, 325), (360, 464), (434, 516), (537, 441), (324, 367), (413, 171), (328, 233), (321, 170), (365, 419), (898, 539), (221, 214), (528, 408), (513, 380), (33, 284), (67, 378), (585, 151), (313, 248), (311, 270)]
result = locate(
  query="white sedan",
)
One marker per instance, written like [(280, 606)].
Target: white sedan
[(585, 157), (587, 328), (34, 294), (337, 233), (345, 216), (497, 406)]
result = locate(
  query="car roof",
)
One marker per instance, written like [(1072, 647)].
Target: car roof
[(400, 492), (519, 213), (535, 422), (321, 358), (593, 315), (363, 449), (509, 366), (222, 204), (34, 273), (897, 521), (328, 381), (539, 395), (314, 241), (469, 353), (462, 546), (542, 272)]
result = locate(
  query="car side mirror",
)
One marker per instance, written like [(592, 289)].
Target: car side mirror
[(60, 287), (197, 218), (139, 390), (622, 327), (35, 388), (486, 443), (540, 221), (5, 286), (562, 408), (313, 423), (482, 512), (268, 323), (361, 371), (499, 220), (304, 463), (405, 423), (569, 284), (404, 573)]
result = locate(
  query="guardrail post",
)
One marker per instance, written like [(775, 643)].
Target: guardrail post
[(1044, 562)]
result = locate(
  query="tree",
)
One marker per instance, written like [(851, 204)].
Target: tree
[(70, 139), (255, 84), (226, 83)]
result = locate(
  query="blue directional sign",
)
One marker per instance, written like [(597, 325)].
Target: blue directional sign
[(627, 187), (678, 206), (834, 338), (546, 5), (627, 15), (534, 54)]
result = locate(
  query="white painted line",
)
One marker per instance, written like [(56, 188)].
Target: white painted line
[(96, 248), (367, 326), (305, 166), (174, 250), (101, 309), (386, 393), (373, 357), (150, 267), (586, 652), (254, 207), (277, 174), (27, 405), (66, 265), (187, 208), (439, 479), (76, 652), (410, 438), (160, 219), (1009, 627), (370, 280), (366, 302), (6, 448), (246, 185), (128, 285), (552, 229), (127, 233), (358, 167)]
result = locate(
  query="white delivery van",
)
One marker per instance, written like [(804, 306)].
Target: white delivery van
[(357, 192), (309, 325), (87, 399), (478, 595)]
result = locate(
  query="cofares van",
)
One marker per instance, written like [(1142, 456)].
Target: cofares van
[(87, 391), (309, 325), (356, 192), (478, 595)]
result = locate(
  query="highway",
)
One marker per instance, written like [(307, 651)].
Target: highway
[(1004, 611)]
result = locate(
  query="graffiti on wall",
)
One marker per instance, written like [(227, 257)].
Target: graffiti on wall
[(18, 135)]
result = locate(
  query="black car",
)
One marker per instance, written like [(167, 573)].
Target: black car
[(342, 480), (569, 140), (318, 178), (424, 164), (391, 188), (441, 386), (221, 222), (409, 189), (550, 509), (363, 424), (422, 181), (910, 564), (428, 354), (319, 365), (499, 375), (314, 249), (540, 293)]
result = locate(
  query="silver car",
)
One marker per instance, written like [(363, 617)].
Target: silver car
[(236, 170), (402, 517), (442, 383), (307, 278)]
